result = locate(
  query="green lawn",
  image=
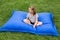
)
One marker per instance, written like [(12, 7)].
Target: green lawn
[(6, 7)]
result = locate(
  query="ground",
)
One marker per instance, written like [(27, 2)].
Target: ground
[(7, 6)]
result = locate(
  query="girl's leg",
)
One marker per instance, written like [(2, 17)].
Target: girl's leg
[(27, 21), (39, 23)]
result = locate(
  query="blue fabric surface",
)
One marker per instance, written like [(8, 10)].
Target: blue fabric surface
[(16, 24)]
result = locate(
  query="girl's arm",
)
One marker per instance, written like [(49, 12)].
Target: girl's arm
[(35, 22)]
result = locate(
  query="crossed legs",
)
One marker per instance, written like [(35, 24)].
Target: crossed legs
[(28, 22)]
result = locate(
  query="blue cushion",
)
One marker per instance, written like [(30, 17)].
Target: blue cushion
[(45, 17), (16, 24)]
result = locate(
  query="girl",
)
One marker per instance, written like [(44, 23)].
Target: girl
[(32, 17)]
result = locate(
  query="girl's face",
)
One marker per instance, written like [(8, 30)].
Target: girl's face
[(30, 10)]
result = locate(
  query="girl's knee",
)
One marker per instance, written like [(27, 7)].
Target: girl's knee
[(40, 23), (24, 20)]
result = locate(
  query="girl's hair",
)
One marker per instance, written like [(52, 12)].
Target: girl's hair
[(33, 9)]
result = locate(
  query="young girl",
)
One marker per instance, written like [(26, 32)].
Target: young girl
[(32, 17)]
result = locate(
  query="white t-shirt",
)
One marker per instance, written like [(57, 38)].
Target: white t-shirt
[(32, 18)]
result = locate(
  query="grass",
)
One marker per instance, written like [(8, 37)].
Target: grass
[(6, 7)]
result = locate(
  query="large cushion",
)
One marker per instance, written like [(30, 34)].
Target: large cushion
[(16, 24)]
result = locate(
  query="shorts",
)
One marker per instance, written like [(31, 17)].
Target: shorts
[(31, 23)]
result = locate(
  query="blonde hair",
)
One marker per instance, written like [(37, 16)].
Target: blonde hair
[(33, 9)]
